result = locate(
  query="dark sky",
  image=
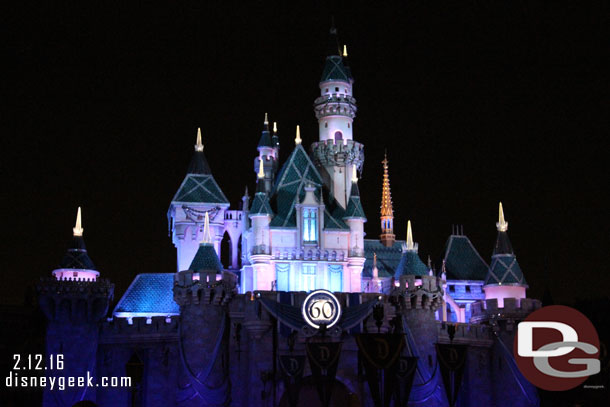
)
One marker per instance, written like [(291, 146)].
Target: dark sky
[(475, 101)]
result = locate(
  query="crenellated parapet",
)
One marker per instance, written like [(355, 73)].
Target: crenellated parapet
[(514, 309), (335, 104), (139, 329), (188, 290), (467, 334), (74, 300), (419, 292), (330, 153)]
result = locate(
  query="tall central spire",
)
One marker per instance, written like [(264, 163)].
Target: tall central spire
[(387, 236)]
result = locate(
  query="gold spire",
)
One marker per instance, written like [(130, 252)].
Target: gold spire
[(199, 145), (355, 174), (502, 224), (266, 121), (261, 171), (298, 139), (207, 236), (386, 195), (344, 51), (410, 245), (78, 230), (275, 127)]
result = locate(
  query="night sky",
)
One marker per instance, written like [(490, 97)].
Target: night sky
[(476, 102)]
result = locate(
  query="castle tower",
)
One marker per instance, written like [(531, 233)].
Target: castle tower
[(74, 300), (505, 278), (355, 219), (268, 153), (387, 236), (203, 292), (198, 194), (261, 275), (410, 262), (335, 154)]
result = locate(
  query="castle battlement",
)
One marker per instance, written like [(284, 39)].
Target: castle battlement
[(420, 292), (137, 329), (329, 153), (189, 290), (470, 334), (514, 308)]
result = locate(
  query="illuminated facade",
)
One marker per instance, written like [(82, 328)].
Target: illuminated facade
[(209, 334)]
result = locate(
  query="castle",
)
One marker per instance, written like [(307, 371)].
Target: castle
[(212, 334)]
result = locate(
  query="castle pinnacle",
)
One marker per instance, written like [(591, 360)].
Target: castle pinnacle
[(355, 174), (261, 171), (78, 230), (199, 144), (502, 224), (207, 236), (410, 244), (344, 51), (387, 211), (266, 122), (298, 139), (275, 127)]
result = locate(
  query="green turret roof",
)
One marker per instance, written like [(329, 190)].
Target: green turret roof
[(200, 188), (334, 70), (206, 259), (297, 172), (354, 206), (411, 264), (260, 205), (504, 269), (462, 260)]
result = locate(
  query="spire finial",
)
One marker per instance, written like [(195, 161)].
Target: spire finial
[(199, 145), (207, 236), (78, 230), (374, 259), (261, 170), (344, 51), (266, 120), (275, 127), (298, 139), (502, 224), (355, 174), (410, 245)]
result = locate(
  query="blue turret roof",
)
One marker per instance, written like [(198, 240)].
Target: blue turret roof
[(334, 69), (411, 264), (76, 256), (149, 294), (265, 140), (206, 259)]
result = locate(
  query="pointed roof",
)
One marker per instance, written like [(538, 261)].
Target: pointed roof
[(354, 206), (410, 263), (504, 268), (206, 258), (76, 257), (265, 140), (296, 173), (333, 68), (260, 205), (462, 260), (199, 185), (386, 194)]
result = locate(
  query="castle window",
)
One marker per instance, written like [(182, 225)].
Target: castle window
[(281, 275), (308, 280), (326, 124), (326, 90), (310, 225), (338, 136), (336, 89), (452, 288), (467, 288), (348, 125), (335, 272)]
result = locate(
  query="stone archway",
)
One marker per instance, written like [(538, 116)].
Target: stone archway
[(308, 395)]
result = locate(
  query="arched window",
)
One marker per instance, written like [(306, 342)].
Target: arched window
[(310, 225), (338, 136)]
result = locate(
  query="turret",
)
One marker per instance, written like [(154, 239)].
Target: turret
[(387, 236), (410, 263), (198, 195), (76, 263), (355, 219), (505, 278), (74, 301), (335, 154), (268, 153)]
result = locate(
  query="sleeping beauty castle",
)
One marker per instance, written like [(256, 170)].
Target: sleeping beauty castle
[(306, 311)]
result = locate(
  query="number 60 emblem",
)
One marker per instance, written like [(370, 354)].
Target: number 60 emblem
[(321, 307)]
